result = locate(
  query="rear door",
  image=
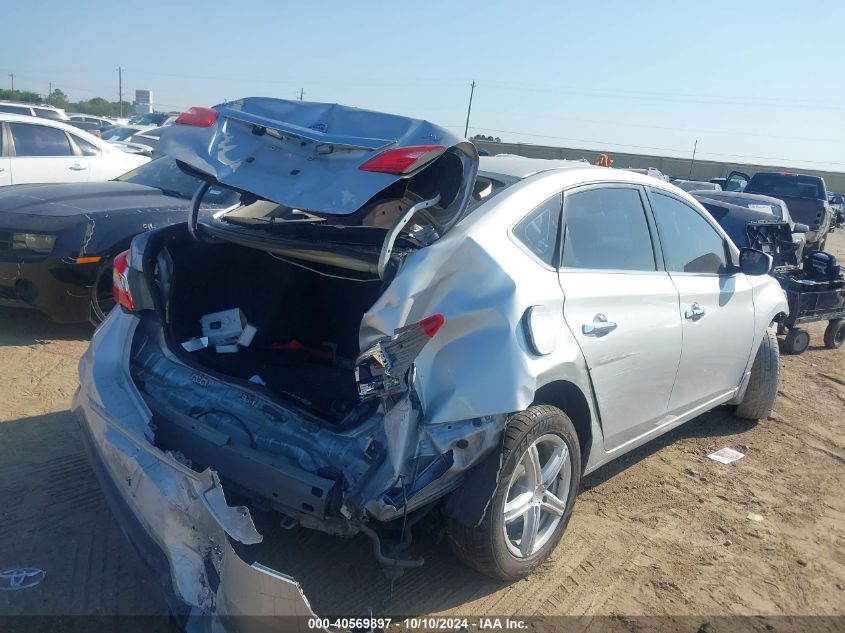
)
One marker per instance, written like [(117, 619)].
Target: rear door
[(41, 153), (621, 307), (716, 304)]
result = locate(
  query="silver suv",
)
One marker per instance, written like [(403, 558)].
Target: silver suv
[(426, 335)]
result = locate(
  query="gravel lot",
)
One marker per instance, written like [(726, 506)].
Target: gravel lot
[(662, 531)]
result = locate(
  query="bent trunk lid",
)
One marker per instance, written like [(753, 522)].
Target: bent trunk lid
[(308, 158)]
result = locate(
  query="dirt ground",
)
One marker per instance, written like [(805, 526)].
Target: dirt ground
[(663, 531)]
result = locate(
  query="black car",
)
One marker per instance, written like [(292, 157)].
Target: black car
[(57, 241)]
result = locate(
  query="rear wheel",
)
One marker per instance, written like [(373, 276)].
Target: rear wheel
[(759, 398), (834, 334), (533, 499), (102, 299), (797, 341)]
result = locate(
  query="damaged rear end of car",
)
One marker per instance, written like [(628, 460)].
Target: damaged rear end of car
[(253, 355)]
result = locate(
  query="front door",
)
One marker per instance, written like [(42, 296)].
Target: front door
[(44, 154), (736, 181), (621, 308), (716, 305)]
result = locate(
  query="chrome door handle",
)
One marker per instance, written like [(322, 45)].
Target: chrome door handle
[(695, 312), (599, 327), (77, 167)]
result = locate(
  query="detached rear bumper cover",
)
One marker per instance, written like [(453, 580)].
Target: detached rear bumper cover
[(176, 517)]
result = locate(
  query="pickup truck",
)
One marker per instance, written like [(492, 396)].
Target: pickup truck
[(806, 197)]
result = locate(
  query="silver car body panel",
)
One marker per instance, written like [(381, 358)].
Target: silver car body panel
[(477, 370)]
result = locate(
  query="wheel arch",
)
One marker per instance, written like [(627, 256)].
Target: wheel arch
[(569, 398)]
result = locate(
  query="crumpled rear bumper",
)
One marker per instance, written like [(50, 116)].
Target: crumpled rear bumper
[(176, 518)]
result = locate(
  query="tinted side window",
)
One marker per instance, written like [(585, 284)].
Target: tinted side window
[(540, 229), (87, 149), (39, 140), (606, 229), (15, 110), (690, 243), (45, 113)]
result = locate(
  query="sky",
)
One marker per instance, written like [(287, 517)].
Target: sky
[(759, 81)]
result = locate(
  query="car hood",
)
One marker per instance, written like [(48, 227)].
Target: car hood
[(308, 156), (70, 199)]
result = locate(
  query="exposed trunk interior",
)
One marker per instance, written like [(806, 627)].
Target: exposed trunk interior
[(307, 322)]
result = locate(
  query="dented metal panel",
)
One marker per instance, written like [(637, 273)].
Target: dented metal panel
[(183, 512), (312, 162)]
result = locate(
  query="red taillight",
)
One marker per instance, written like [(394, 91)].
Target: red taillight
[(402, 160), (198, 116), (120, 282), (97, 133), (432, 324)]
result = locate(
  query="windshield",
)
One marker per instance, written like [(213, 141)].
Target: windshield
[(118, 133), (163, 174), (792, 185), (148, 119)]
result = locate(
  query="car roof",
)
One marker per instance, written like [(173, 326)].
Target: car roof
[(520, 167), (62, 125)]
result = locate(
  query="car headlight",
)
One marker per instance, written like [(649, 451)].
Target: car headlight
[(35, 242)]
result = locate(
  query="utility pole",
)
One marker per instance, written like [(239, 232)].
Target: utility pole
[(120, 89), (469, 107), (301, 92), (692, 162), (50, 92), (12, 75)]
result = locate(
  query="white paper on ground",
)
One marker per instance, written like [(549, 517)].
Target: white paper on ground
[(226, 349), (726, 455)]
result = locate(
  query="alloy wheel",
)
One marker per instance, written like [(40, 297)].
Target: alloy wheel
[(535, 501)]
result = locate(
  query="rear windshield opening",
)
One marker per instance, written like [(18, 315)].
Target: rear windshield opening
[(787, 185)]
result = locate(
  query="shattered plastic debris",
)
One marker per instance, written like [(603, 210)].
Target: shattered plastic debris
[(25, 578), (194, 344), (726, 455), (258, 380)]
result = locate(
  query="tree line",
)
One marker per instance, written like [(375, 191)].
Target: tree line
[(96, 106)]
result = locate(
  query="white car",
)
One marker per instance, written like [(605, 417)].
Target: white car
[(41, 150)]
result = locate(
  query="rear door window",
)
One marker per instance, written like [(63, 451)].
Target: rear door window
[(39, 140), (15, 110), (539, 230), (690, 243), (606, 229)]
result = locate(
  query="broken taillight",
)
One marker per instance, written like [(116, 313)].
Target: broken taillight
[(403, 160), (383, 369), (198, 116), (120, 282)]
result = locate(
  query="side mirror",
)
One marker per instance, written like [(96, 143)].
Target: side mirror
[(800, 228), (754, 262)]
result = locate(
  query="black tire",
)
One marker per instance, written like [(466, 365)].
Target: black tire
[(483, 547), (762, 390), (796, 341), (102, 300), (834, 334)]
